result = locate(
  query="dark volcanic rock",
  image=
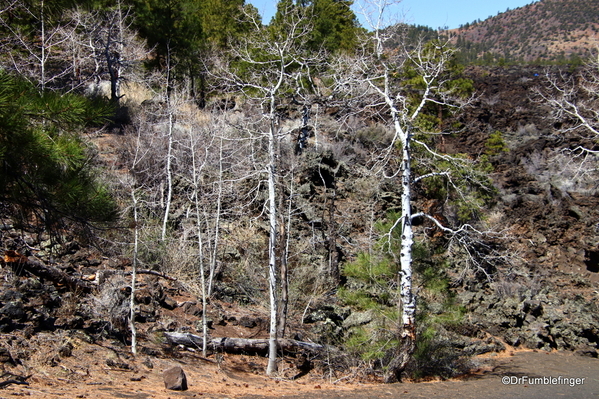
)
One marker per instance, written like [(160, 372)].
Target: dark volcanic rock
[(175, 379), (14, 310), (6, 357)]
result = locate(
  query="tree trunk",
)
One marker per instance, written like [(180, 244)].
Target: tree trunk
[(242, 345), (272, 242), (169, 174), (195, 170), (43, 47), (332, 238), (408, 304), (407, 240), (134, 275)]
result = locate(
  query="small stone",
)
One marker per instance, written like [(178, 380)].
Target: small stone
[(6, 357), (247, 322), (148, 363), (117, 364), (175, 379), (66, 350)]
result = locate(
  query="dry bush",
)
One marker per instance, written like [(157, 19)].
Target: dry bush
[(568, 171), (376, 136), (516, 287), (41, 352), (111, 302)]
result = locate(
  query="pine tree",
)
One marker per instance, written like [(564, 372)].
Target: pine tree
[(46, 172)]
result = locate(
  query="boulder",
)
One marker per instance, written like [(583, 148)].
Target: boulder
[(359, 318), (175, 379)]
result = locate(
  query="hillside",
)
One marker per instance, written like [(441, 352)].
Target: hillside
[(545, 299), (171, 196), (547, 30)]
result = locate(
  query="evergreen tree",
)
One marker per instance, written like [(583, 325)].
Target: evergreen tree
[(333, 25), (171, 27), (223, 21), (46, 172), (183, 32)]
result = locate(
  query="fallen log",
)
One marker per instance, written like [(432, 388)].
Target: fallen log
[(153, 273), (32, 265), (241, 345), (13, 379)]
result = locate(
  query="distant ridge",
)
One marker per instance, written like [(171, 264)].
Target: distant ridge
[(557, 31)]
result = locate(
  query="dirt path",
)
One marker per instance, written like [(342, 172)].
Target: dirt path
[(234, 379), (519, 370)]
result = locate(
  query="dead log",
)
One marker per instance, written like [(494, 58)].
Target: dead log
[(13, 379), (153, 273), (34, 266), (241, 345)]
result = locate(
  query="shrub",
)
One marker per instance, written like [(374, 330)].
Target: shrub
[(495, 144)]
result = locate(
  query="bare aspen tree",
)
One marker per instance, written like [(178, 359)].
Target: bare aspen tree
[(266, 67), (574, 100), (38, 41), (139, 154), (398, 86), (168, 169), (135, 204), (198, 161)]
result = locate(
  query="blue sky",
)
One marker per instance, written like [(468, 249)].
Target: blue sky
[(432, 13)]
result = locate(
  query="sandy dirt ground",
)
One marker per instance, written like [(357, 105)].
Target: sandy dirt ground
[(86, 374)]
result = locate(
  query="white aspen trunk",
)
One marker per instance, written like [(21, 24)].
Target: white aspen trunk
[(408, 301), (408, 307), (272, 242), (200, 258), (316, 126), (134, 275), (217, 221), (169, 175), (43, 49)]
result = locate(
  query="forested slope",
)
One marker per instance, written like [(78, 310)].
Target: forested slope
[(184, 168)]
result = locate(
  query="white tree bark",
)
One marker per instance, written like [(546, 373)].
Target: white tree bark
[(134, 272), (169, 150), (169, 173), (374, 81), (195, 173), (275, 63), (408, 308), (272, 244), (139, 154)]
